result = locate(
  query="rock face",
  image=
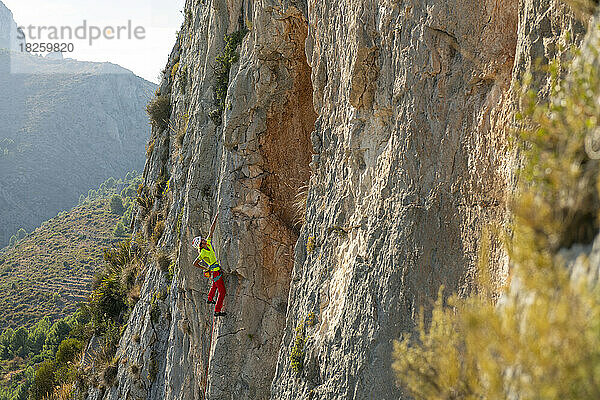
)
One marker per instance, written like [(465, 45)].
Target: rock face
[(65, 127), (387, 124), (9, 35)]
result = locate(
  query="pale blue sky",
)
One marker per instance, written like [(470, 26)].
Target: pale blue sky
[(159, 18)]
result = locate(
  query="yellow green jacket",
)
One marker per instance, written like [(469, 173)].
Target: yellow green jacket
[(209, 257)]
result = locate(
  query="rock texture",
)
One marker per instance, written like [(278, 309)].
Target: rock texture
[(393, 119), (65, 127), (9, 34)]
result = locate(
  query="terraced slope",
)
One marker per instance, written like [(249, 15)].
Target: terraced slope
[(50, 270)]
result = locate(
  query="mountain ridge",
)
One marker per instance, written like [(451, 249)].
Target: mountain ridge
[(66, 126)]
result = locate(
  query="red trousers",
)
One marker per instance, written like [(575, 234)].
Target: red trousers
[(217, 279)]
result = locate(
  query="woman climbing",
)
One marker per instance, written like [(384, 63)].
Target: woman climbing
[(207, 260)]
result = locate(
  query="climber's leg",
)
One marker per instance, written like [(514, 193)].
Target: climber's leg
[(221, 287), (213, 289)]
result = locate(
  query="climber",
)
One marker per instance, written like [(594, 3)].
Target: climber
[(207, 260)]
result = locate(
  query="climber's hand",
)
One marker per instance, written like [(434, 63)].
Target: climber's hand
[(198, 265)]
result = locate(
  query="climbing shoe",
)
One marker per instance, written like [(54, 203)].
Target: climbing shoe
[(220, 314), (210, 302)]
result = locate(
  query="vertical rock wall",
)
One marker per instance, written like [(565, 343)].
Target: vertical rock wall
[(250, 168), (393, 119), (412, 161)]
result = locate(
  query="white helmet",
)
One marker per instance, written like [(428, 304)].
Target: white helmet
[(197, 241)]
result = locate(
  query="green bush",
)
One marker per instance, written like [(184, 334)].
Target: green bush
[(57, 333), (67, 353), (159, 111), (118, 256), (44, 381), (37, 335), (68, 350), (108, 302), (18, 344), (108, 299)]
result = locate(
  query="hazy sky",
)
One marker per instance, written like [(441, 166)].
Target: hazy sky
[(160, 19)]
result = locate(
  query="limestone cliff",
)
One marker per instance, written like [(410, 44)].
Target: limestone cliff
[(388, 124)]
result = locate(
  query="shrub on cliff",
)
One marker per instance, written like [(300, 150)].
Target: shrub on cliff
[(222, 66), (159, 111), (543, 338)]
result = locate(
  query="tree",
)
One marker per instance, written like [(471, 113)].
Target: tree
[(110, 183), (119, 229), (116, 205), (37, 335), (44, 381), (58, 332), (18, 345), (5, 340), (21, 233)]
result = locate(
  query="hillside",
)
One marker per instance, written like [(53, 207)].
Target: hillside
[(65, 127), (48, 272)]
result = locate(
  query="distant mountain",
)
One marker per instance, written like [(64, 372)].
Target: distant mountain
[(65, 127), (9, 38)]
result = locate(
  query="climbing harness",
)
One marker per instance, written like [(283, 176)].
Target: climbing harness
[(217, 278)]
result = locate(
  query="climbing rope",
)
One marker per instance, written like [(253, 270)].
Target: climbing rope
[(212, 328)]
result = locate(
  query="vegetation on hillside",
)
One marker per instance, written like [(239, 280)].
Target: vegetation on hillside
[(49, 357), (22, 349), (542, 339), (84, 355), (48, 271)]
